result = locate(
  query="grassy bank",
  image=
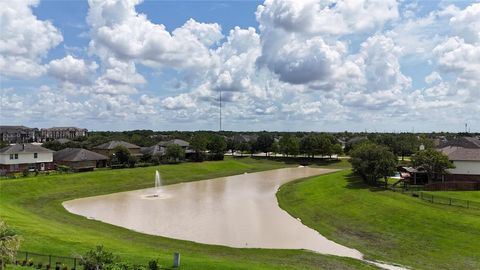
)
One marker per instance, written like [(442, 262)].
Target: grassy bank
[(385, 225), (461, 195), (33, 207)]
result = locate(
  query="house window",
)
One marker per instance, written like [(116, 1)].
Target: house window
[(16, 156), (11, 156), (35, 155)]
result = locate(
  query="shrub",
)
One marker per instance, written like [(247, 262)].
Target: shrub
[(63, 168), (97, 258), (25, 173), (153, 264)]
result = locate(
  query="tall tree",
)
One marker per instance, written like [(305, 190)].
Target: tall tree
[(372, 161), (324, 145), (264, 143), (337, 149), (175, 152), (199, 142), (433, 162), (217, 147), (290, 145), (309, 145)]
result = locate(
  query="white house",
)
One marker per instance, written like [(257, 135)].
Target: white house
[(18, 157)]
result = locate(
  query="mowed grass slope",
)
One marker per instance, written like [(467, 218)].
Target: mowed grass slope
[(461, 195), (33, 207), (384, 225)]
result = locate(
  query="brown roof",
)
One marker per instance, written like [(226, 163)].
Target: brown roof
[(461, 153), (77, 154)]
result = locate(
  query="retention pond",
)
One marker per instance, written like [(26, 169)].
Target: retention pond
[(237, 211)]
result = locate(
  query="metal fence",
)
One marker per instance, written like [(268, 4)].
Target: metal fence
[(48, 262), (449, 201)]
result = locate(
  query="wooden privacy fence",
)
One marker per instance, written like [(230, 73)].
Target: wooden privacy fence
[(453, 186), (449, 201)]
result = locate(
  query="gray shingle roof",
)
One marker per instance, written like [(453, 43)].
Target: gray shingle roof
[(179, 142), (461, 153), (112, 144), (77, 154), (24, 148), (465, 142)]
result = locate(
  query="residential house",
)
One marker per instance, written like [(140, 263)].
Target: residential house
[(18, 134), (183, 144), (106, 149), (18, 157), (464, 153), (79, 159)]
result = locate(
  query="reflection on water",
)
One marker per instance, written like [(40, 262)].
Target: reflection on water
[(236, 211)]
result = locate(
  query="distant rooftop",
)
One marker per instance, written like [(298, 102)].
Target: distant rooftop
[(112, 144), (465, 142), (179, 142)]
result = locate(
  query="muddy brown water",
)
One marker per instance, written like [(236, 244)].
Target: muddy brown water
[(236, 211)]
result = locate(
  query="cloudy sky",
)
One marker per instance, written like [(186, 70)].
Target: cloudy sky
[(323, 65)]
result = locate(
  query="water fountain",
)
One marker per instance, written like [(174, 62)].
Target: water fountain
[(158, 182), (158, 188)]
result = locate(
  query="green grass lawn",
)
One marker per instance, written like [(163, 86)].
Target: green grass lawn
[(462, 195), (33, 207), (385, 225)]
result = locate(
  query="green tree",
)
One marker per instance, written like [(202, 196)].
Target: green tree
[(244, 147), (217, 146), (264, 143), (309, 145), (372, 161), (175, 152), (289, 145), (337, 149), (120, 155), (324, 145), (199, 144), (232, 145), (275, 148), (9, 244), (433, 162)]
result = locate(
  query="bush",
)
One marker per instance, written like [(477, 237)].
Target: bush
[(216, 156), (153, 264), (63, 168), (25, 173), (198, 157), (97, 258)]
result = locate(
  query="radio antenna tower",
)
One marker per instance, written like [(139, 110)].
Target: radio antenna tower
[(220, 92)]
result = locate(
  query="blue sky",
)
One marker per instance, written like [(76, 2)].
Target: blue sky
[(280, 65)]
